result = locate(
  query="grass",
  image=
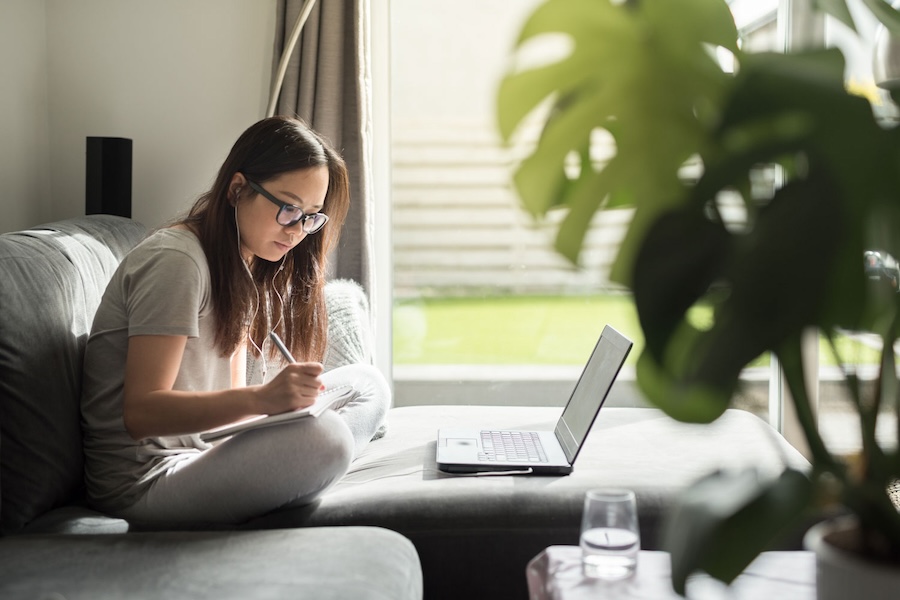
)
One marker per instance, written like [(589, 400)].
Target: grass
[(533, 330)]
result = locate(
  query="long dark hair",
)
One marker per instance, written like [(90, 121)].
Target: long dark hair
[(264, 151)]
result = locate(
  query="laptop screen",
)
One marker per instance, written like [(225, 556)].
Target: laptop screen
[(591, 390)]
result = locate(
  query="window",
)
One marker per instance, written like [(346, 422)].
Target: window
[(482, 310)]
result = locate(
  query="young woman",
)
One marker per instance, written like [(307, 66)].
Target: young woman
[(166, 358)]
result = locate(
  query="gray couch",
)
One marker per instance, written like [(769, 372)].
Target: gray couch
[(473, 535), (51, 280)]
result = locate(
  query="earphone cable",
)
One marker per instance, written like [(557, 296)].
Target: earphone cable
[(262, 356)]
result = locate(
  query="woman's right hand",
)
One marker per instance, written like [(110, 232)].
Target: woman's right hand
[(152, 408), (295, 387)]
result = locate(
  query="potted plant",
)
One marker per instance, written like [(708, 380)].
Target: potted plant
[(643, 72)]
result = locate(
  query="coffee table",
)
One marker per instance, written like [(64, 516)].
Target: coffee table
[(555, 574)]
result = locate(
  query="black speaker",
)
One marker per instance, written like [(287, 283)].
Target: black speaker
[(108, 176)]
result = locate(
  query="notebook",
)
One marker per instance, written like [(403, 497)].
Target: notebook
[(325, 400), (540, 452)]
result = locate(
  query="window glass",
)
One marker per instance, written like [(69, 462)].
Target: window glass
[(484, 310)]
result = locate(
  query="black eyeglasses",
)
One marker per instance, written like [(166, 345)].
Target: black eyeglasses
[(288, 214)]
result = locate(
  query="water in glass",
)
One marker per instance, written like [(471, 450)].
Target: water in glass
[(609, 552)]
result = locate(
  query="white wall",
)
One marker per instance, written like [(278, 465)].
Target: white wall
[(24, 140), (181, 78)]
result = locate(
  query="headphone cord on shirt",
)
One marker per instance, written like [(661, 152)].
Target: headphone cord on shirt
[(262, 356)]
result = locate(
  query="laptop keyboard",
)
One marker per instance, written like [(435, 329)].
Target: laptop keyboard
[(511, 446)]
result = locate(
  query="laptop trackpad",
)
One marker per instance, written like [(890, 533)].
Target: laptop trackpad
[(452, 442)]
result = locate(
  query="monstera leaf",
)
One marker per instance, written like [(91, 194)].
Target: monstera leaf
[(653, 87), (726, 519), (796, 263)]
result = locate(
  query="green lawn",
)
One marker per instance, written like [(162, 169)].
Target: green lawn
[(540, 330)]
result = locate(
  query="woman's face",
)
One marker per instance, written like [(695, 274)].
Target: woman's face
[(261, 235)]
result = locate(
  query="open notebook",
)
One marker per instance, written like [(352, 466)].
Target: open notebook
[(324, 401)]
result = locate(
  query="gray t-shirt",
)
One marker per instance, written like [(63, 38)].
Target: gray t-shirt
[(162, 287)]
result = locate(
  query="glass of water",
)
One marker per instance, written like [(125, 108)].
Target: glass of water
[(610, 539)]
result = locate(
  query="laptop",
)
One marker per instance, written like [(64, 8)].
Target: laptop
[(540, 452)]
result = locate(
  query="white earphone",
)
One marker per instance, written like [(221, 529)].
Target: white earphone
[(237, 227)]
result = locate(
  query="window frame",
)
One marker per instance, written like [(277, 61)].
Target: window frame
[(382, 295)]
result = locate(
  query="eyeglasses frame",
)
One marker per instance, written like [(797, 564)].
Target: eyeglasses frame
[(302, 219)]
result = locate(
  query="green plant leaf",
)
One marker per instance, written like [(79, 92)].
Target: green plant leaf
[(540, 178), (768, 301), (775, 289), (623, 55), (664, 384), (586, 21), (670, 276), (584, 197), (849, 164), (723, 521)]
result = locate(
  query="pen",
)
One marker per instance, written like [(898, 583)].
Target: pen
[(281, 347), (284, 351)]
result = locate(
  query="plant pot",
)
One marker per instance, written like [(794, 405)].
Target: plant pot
[(842, 573)]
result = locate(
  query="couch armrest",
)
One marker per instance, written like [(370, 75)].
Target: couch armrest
[(346, 562)]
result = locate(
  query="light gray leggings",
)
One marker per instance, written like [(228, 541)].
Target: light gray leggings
[(258, 471)]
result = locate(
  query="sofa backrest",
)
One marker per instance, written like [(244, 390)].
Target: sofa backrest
[(51, 280)]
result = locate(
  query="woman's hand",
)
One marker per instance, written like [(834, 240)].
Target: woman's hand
[(152, 408), (296, 386)]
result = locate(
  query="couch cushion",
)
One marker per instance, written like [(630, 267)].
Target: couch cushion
[(53, 277), (327, 563), (76, 520), (396, 481), (489, 527)]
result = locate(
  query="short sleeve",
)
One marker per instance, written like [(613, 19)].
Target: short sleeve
[(164, 292)]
